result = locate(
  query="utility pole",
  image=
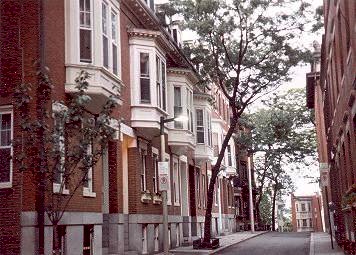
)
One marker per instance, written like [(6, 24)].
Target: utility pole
[(252, 220), (164, 192)]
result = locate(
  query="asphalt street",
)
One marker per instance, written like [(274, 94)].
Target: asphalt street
[(273, 243)]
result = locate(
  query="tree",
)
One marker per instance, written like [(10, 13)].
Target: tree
[(70, 142), (283, 135), (265, 209), (244, 48)]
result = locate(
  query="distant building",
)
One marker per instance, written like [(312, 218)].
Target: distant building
[(306, 213)]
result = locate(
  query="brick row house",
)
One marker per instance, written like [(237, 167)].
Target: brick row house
[(331, 91), (127, 51)]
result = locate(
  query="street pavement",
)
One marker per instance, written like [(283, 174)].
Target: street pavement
[(272, 243)]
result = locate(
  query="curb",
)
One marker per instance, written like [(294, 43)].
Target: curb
[(227, 246)]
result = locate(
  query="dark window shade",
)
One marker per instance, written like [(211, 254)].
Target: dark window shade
[(85, 45), (114, 59), (145, 90), (5, 159), (105, 52)]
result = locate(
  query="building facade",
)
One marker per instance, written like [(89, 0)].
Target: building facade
[(306, 213), (333, 97), (127, 52)]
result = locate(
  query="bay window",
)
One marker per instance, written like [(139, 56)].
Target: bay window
[(178, 109), (85, 31), (145, 78), (6, 136), (200, 125)]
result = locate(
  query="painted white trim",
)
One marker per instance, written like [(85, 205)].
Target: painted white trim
[(57, 187), (127, 130)]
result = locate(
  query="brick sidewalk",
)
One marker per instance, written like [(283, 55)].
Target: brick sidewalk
[(320, 245), (225, 242)]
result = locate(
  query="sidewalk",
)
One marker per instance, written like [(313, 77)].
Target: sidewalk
[(225, 242), (320, 244)]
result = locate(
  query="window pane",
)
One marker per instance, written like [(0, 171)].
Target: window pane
[(114, 59), (5, 159), (145, 90), (87, 5), (81, 5), (177, 96), (85, 45), (114, 26), (5, 121), (105, 51), (144, 64), (104, 19)]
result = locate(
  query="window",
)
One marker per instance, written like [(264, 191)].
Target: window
[(309, 209), (145, 78), (178, 109), (296, 206), (229, 156), (216, 193), (197, 187), (176, 181), (88, 181), (155, 174), (104, 19), (6, 150), (85, 31), (114, 41), (310, 223), (200, 125), (59, 147), (88, 236), (189, 109), (158, 82), (303, 207), (151, 4), (209, 129), (143, 169), (161, 83), (305, 224), (204, 191)]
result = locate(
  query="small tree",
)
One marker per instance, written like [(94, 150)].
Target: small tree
[(70, 142), (245, 48)]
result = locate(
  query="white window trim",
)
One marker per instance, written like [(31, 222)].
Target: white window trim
[(9, 110)]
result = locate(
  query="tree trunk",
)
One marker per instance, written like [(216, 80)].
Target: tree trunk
[(56, 244), (215, 171), (274, 208)]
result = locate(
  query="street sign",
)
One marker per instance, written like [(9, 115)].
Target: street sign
[(163, 173)]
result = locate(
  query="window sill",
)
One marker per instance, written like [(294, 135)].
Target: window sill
[(176, 204), (88, 193), (5, 185), (57, 187)]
